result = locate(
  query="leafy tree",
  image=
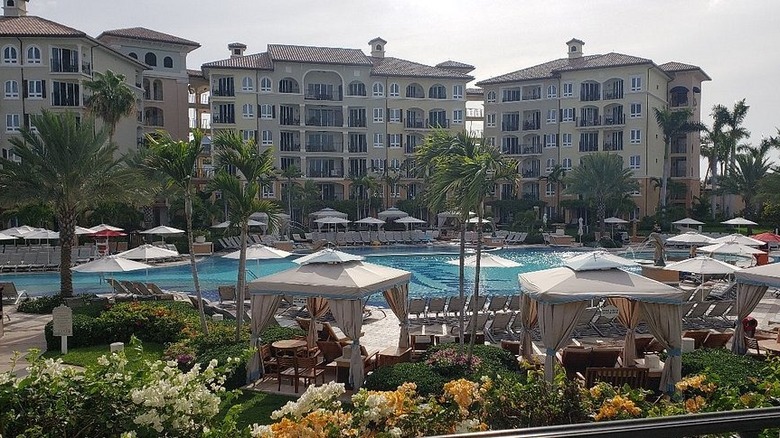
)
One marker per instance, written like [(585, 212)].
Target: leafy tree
[(242, 195), (672, 124), (363, 187), (111, 99), (747, 173), (71, 167), (175, 161), (601, 179), (290, 174)]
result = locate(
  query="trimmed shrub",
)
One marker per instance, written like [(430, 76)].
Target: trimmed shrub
[(723, 366), (494, 359), (87, 331), (278, 333), (237, 377), (40, 305), (388, 378)]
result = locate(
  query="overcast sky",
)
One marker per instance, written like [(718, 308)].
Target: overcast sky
[(734, 42)]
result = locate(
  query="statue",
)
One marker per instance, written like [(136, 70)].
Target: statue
[(659, 255)]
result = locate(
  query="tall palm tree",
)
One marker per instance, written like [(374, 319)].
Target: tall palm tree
[(111, 99), (672, 124), (600, 179), (747, 174), (175, 161), (735, 132), (71, 167), (241, 192), (291, 173), (556, 177)]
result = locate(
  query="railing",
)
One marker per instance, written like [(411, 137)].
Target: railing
[(620, 119), (512, 97), (416, 95), (679, 148), (678, 173), (290, 121), (223, 119), (521, 149), (358, 122), (411, 149), (335, 173), (314, 121), (416, 124), (612, 95), (358, 149), (589, 97), (613, 147), (589, 147), (223, 92), (474, 113), (531, 173), (427, 123), (313, 147), (748, 423), (678, 102), (592, 121), (86, 68), (510, 126), (57, 66), (536, 95), (320, 96), (290, 147), (532, 125), (438, 123)]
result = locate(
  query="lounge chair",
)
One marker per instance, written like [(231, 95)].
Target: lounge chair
[(499, 324), (641, 343), (698, 336), (478, 305), (332, 335), (479, 319), (417, 307), (514, 303), (436, 306), (719, 309), (585, 320), (696, 315), (455, 306), (497, 303), (717, 340), (10, 294), (227, 295), (605, 356), (634, 377)]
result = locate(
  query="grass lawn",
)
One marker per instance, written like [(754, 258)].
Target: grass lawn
[(256, 407), (86, 356)]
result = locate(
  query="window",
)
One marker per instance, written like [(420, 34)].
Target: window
[(394, 114), (491, 141), (491, 97), (566, 140), (636, 110), (457, 91), (247, 84), (36, 89), (636, 83), (33, 55), (12, 122), (550, 165), (133, 55), (356, 88), (379, 140), (157, 90), (267, 138), (634, 162), (437, 92), (566, 164), (248, 135), (552, 92), (490, 120), (379, 115), (568, 90), (11, 90), (248, 111), (151, 59), (268, 191), (567, 115), (550, 189), (10, 55), (395, 90), (552, 116), (395, 191), (266, 111), (265, 85), (378, 90), (168, 62), (636, 136), (66, 94), (457, 117), (394, 140), (550, 140), (377, 165)]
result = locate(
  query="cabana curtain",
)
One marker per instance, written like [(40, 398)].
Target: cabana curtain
[(748, 297), (665, 323), (349, 317), (398, 299), (528, 320), (317, 306), (557, 322), (263, 309), (628, 315)]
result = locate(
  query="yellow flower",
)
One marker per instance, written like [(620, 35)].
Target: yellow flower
[(463, 392)]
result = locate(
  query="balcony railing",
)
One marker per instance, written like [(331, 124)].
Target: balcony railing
[(86, 68), (589, 147), (613, 147), (531, 173), (290, 121), (357, 122), (314, 147), (534, 95), (612, 120), (410, 148), (358, 148), (290, 147), (589, 121), (531, 125), (334, 173), (522, 149), (474, 113), (314, 121), (590, 97), (677, 102), (612, 95), (678, 172), (223, 119), (510, 126), (427, 123), (416, 124), (223, 92), (679, 148), (321, 96), (57, 66)]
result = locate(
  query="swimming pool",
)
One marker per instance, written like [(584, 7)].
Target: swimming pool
[(432, 275)]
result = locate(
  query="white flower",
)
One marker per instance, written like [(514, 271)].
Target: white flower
[(395, 432), (260, 431), (103, 361)]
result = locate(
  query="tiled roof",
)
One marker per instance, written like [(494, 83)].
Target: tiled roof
[(552, 68), (196, 73), (475, 91), (143, 33), (35, 26), (454, 64), (318, 55), (674, 66), (400, 67), (256, 61)]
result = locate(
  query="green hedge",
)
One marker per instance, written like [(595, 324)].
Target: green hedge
[(389, 378), (237, 378), (494, 359), (40, 305), (723, 366)]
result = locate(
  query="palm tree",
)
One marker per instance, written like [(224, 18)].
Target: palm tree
[(556, 177), (732, 120), (291, 173), (601, 179), (672, 124), (111, 99), (243, 195), (68, 165), (748, 172), (175, 161)]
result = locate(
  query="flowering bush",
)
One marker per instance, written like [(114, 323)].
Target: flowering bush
[(611, 403), (452, 363)]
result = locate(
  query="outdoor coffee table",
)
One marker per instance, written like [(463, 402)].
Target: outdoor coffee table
[(288, 347)]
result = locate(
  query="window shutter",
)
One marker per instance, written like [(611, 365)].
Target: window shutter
[(43, 88), (273, 111), (24, 88)]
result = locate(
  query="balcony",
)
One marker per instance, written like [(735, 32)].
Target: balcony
[(521, 149), (589, 147), (223, 92), (531, 173), (610, 147), (290, 121), (427, 123), (325, 121), (326, 148), (86, 68), (590, 96), (612, 95), (531, 125), (535, 94), (510, 126), (358, 148), (290, 147), (679, 147), (333, 173), (678, 101), (357, 122), (410, 149), (615, 119), (474, 114), (226, 118), (321, 96), (589, 122), (678, 172), (64, 66)]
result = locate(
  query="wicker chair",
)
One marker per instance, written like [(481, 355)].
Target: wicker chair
[(633, 377)]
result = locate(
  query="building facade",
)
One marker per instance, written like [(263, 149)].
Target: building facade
[(337, 113), (556, 112)]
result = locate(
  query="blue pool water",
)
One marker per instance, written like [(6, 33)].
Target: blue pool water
[(432, 275)]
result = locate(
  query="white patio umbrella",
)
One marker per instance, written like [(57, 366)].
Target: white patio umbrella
[(690, 238), (730, 248), (6, 237), (740, 239), (687, 222), (597, 260), (41, 234), (487, 260), (392, 213), (328, 255), (739, 221), (163, 230), (612, 221), (251, 223), (81, 231), (259, 252), (474, 220), (148, 252), (702, 265), (103, 227), (370, 221), (112, 263)]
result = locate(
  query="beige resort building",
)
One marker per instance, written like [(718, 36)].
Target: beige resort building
[(335, 113), (558, 111)]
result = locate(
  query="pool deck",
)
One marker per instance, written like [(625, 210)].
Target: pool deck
[(21, 333)]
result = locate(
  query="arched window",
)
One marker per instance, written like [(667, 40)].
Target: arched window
[(379, 47), (248, 111), (394, 90), (491, 96), (11, 90), (168, 62), (133, 55), (147, 89), (150, 59), (356, 88), (437, 92), (33, 55), (552, 92), (378, 90), (289, 85), (265, 84), (10, 56), (153, 117), (247, 84), (157, 90)]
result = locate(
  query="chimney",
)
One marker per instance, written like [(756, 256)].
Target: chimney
[(236, 49), (377, 47), (15, 8), (575, 48)]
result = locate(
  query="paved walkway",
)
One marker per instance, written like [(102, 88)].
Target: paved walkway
[(23, 332)]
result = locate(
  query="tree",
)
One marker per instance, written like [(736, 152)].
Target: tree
[(111, 99), (746, 175), (291, 173), (601, 179), (735, 132), (672, 124), (175, 162), (71, 167), (363, 187), (242, 195), (556, 177)]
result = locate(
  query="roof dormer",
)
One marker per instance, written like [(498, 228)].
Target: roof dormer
[(236, 49), (377, 47), (15, 8), (575, 48)]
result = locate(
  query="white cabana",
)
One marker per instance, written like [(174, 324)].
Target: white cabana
[(409, 220), (391, 213), (19, 231), (752, 285), (597, 260), (370, 221), (740, 239), (6, 237), (441, 218), (345, 285), (562, 295), (476, 220), (328, 212), (148, 252), (689, 238)]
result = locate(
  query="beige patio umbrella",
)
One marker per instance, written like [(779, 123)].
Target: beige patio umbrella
[(740, 239)]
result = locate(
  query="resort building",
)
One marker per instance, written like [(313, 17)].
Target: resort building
[(44, 66), (556, 112), (337, 113)]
